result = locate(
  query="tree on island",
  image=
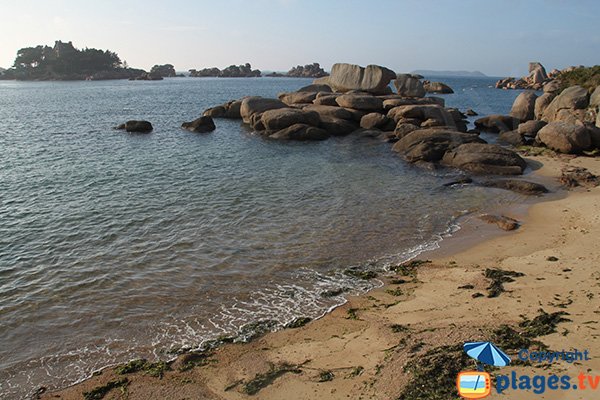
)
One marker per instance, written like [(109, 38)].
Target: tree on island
[(65, 62)]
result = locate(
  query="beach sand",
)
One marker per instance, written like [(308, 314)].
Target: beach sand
[(370, 347)]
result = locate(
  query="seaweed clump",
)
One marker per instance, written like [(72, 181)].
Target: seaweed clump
[(155, 369), (434, 374), (409, 268), (261, 381), (298, 322), (326, 376), (498, 278), (99, 392), (361, 273), (543, 324)]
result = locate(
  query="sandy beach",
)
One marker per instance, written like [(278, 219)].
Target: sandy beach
[(391, 342)]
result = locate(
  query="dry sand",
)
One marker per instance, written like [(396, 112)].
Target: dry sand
[(367, 358)]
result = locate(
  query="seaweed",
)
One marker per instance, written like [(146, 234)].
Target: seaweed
[(193, 360), (434, 374), (498, 278), (101, 391), (356, 371), (395, 292), (543, 324), (398, 281), (326, 376), (298, 322), (254, 330), (361, 273), (261, 381), (409, 268), (351, 313), (155, 369), (334, 292), (397, 328)]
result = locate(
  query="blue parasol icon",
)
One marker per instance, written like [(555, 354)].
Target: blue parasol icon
[(486, 353)]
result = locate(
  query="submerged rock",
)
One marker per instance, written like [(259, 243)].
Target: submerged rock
[(517, 185), (136, 126), (300, 132), (496, 123), (484, 158), (431, 144), (201, 125)]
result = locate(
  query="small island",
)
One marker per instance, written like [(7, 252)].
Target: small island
[(313, 70), (233, 71), (64, 62)]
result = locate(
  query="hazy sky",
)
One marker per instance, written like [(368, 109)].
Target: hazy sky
[(496, 37)]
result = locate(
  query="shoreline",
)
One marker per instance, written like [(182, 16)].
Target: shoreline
[(354, 342)]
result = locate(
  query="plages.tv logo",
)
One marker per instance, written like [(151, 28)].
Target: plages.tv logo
[(477, 384)]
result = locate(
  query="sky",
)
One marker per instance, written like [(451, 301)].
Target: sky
[(498, 38)]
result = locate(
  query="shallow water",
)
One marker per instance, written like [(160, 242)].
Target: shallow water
[(115, 245)]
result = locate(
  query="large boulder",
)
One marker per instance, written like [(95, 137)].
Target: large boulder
[(136, 126), (431, 144), (298, 97), (484, 158), (422, 113), (324, 99), (496, 123), (258, 105), (300, 132), (595, 98), (437, 87), (376, 121), (523, 107), (517, 186), (541, 103), (403, 129), (565, 138), (200, 125), (408, 101), (346, 77), (537, 73), (281, 118), (409, 85), (531, 128), (330, 111), (230, 109), (552, 86), (360, 102), (315, 88), (513, 137), (338, 126), (571, 99)]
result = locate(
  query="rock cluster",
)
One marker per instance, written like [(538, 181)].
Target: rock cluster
[(313, 70), (233, 71), (535, 80), (358, 101)]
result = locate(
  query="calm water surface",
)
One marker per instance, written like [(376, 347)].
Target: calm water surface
[(115, 246)]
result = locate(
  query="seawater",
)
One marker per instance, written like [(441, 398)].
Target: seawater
[(115, 246)]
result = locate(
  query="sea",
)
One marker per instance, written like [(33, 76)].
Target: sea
[(115, 246)]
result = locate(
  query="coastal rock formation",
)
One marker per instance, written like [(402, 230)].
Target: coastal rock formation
[(484, 158), (300, 132), (230, 109), (503, 222), (147, 76), (201, 125), (530, 128), (390, 103), (437, 87), (281, 118), (258, 105), (165, 71), (136, 126), (345, 77), (523, 107), (535, 80), (517, 186), (496, 123), (541, 103), (565, 137), (568, 106), (297, 97), (360, 102), (316, 88), (313, 70), (430, 145), (408, 85), (330, 111), (377, 121), (338, 126)]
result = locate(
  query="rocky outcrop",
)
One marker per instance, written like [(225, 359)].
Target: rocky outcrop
[(330, 111), (360, 102), (313, 70), (281, 118), (346, 77), (136, 126), (315, 88), (496, 123), (568, 106), (300, 132), (523, 107), (484, 158), (565, 137), (377, 121), (230, 109), (165, 70), (203, 124), (535, 80), (258, 105), (338, 126), (503, 222), (430, 145), (147, 76), (233, 71), (437, 87), (530, 128), (390, 103), (517, 186), (298, 97), (541, 103), (409, 85)]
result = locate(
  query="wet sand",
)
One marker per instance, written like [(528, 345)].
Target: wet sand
[(372, 347)]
